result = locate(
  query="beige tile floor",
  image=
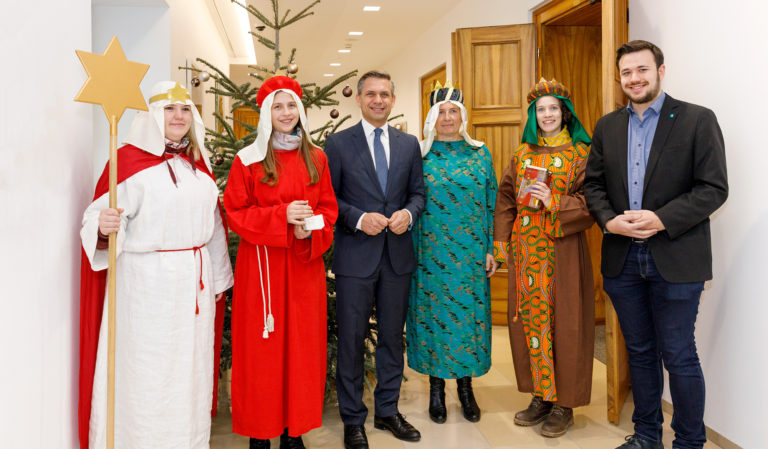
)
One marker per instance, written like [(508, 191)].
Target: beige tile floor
[(498, 399)]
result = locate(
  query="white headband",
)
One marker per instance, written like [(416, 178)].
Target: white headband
[(431, 120), (148, 128), (257, 151)]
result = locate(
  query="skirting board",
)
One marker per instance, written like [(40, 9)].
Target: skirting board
[(712, 436)]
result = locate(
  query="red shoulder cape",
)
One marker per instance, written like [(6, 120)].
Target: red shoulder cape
[(130, 160)]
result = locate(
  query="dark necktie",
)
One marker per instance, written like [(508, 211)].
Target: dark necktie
[(381, 159)]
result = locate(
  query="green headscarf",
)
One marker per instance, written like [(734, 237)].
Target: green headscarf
[(557, 90)]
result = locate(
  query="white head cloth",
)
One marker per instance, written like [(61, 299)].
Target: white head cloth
[(429, 126), (257, 151), (148, 128)]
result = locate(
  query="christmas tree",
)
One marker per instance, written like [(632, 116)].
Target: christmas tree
[(224, 144)]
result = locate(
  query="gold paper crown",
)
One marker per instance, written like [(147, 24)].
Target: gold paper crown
[(445, 92), (176, 93), (448, 85)]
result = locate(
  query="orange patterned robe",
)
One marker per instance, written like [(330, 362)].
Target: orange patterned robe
[(530, 251)]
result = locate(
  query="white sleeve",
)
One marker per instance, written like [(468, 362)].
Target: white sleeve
[(217, 248), (99, 258)]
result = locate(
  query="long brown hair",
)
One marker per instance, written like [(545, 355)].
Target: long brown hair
[(193, 149), (306, 151)]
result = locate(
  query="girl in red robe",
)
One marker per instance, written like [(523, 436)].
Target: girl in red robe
[(280, 201)]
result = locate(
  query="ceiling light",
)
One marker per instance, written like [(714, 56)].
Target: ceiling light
[(335, 64), (355, 33), (345, 50), (371, 8), (328, 74)]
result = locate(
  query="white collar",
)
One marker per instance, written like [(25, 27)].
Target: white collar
[(256, 151), (368, 129)]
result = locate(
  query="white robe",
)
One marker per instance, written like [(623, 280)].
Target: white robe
[(164, 351)]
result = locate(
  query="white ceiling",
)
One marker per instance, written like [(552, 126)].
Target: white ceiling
[(318, 38)]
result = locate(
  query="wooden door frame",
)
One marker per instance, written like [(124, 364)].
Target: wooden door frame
[(441, 68), (614, 24)]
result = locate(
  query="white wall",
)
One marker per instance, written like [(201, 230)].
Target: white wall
[(713, 53), (194, 35), (45, 182), (144, 33), (433, 48), (428, 51)]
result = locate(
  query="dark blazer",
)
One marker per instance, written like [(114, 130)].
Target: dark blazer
[(685, 182), (357, 191)]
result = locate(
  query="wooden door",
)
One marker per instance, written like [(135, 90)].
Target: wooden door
[(244, 115), (495, 68), (428, 80), (615, 32)]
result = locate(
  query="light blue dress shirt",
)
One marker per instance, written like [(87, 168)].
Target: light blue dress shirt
[(640, 138)]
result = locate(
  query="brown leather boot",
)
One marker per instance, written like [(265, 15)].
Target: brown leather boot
[(537, 411), (558, 421)]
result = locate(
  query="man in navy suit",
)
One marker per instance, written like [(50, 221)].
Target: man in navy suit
[(377, 176), (655, 173)]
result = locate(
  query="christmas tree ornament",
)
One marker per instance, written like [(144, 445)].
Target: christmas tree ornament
[(347, 92), (334, 113), (218, 159), (292, 68), (326, 134), (204, 76), (195, 81)]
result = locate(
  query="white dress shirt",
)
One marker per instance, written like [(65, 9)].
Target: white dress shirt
[(369, 131), (370, 134)]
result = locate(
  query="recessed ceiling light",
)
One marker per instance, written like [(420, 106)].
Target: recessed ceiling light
[(328, 74), (345, 50), (335, 64), (371, 8), (355, 33)]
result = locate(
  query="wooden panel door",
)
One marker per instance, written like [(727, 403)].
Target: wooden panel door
[(495, 68), (244, 115), (615, 33)]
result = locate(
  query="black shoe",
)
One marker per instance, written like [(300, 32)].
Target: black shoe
[(437, 399), (635, 442), (354, 437), (399, 427), (288, 442), (467, 399), (258, 444)]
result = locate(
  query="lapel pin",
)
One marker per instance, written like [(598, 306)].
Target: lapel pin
[(671, 115)]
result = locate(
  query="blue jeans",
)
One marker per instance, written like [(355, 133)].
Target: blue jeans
[(657, 319)]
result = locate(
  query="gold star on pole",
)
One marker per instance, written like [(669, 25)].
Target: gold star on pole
[(113, 81)]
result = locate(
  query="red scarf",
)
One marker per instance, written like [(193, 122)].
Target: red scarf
[(130, 160)]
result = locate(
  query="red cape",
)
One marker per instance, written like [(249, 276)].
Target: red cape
[(130, 160)]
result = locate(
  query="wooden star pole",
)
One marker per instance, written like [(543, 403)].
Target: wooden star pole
[(113, 82)]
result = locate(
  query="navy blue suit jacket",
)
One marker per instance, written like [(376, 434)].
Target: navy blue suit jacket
[(358, 191)]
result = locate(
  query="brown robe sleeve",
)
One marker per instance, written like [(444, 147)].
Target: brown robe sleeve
[(573, 213), (506, 205)]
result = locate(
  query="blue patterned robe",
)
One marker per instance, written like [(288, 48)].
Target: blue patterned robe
[(449, 318)]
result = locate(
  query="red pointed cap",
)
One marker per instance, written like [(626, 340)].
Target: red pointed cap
[(277, 83)]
